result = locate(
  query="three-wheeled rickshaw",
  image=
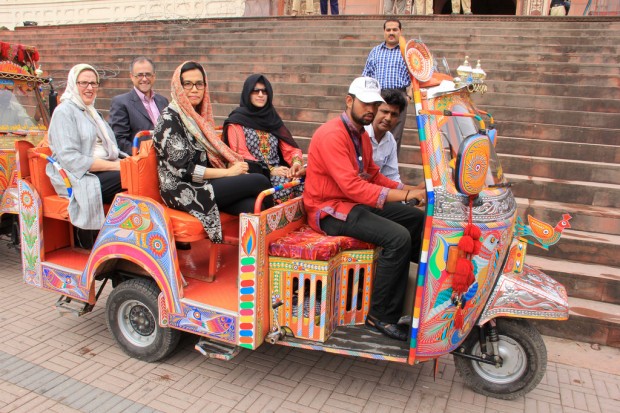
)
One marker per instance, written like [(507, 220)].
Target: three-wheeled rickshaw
[(23, 116), (274, 280)]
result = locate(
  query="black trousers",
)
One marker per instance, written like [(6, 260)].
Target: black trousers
[(237, 194), (110, 182), (398, 229)]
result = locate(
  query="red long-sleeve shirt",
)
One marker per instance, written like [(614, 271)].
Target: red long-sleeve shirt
[(333, 182)]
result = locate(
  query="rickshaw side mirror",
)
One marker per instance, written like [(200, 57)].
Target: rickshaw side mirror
[(472, 164)]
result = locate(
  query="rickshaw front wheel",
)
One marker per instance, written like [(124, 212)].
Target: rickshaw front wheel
[(524, 356), (132, 319)]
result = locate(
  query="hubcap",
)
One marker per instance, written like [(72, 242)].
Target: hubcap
[(137, 323), (514, 362)]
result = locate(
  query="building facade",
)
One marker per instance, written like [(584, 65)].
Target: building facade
[(52, 12)]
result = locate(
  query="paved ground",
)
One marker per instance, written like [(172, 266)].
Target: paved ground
[(50, 363)]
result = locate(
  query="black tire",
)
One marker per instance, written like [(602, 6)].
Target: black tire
[(132, 316), (525, 361)]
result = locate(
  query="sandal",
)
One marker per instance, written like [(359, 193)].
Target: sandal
[(390, 330)]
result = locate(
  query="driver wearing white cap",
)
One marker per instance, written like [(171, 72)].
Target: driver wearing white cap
[(346, 194)]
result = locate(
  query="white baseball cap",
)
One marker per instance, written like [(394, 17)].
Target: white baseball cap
[(366, 89)]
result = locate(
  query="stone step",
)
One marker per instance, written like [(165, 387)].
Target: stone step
[(545, 189), (568, 118), (351, 26), (584, 247), (480, 48), (521, 101), (544, 167), (516, 102), (60, 67), (558, 149), (528, 133), (589, 321), (555, 132), (495, 87), (556, 117), (555, 150), (293, 60), (586, 281)]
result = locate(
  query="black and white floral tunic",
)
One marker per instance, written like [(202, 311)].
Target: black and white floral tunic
[(181, 162)]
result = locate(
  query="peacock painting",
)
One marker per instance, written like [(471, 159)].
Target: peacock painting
[(540, 233)]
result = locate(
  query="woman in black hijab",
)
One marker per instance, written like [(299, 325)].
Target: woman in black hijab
[(256, 132)]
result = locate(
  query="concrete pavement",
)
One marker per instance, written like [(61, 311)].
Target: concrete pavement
[(50, 363)]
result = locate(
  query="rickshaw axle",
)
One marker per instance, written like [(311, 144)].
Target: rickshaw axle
[(496, 361)]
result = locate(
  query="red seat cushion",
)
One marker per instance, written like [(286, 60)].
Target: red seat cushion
[(307, 244)]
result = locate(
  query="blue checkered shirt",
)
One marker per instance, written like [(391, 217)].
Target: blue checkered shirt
[(388, 67)]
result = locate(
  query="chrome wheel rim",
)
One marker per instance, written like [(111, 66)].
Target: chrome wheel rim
[(137, 323), (514, 362)]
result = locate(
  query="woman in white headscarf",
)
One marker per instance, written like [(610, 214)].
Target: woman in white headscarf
[(85, 147)]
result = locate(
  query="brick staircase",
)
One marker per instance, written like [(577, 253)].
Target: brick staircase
[(553, 90)]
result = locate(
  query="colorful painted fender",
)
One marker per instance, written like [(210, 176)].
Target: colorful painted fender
[(136, 229), (8, 183), (529, 294)]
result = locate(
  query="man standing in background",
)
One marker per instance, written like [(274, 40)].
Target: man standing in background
[(385, 63)]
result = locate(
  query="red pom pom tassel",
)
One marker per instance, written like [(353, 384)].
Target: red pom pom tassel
[(20, 54), (463, 276), (466, 244), (458, 318)]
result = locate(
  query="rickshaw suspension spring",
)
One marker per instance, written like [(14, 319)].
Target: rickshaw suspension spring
[(494, 340)]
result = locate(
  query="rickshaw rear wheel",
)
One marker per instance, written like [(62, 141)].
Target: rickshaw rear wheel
[(524, 361), (132, 319)]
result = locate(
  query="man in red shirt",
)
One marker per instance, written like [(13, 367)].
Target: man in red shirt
[(345, 194)]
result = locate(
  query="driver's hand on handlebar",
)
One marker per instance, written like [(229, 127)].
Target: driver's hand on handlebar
[(416, 197)]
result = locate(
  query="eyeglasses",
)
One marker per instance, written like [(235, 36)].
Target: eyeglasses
[(257, 91), (144, 75), (190, 85), (85, 85)]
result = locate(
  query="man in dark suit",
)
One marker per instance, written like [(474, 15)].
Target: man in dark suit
[(139, 108)]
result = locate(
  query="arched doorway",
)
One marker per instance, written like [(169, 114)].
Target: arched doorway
[(496, 7)]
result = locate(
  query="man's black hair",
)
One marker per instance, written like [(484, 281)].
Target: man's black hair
[(392, 20), (191, 66), (394, 97)]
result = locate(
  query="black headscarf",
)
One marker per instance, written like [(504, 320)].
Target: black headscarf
[(265, 118)]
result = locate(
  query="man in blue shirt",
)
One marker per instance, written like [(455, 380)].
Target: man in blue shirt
[(383, 143), (386, 64)]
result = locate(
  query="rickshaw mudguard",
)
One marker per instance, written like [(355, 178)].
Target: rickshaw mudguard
[(8, 183), (528, 294), (138, 230)]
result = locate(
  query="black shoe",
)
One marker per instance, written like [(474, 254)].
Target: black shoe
[(390, 330)]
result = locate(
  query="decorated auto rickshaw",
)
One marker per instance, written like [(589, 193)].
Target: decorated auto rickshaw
[(23, 115), (274, 280)]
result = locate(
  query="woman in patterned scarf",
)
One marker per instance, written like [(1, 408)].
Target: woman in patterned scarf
[(197, 172), (256, 132)]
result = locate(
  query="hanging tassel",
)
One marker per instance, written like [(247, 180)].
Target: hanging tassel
[(463, 276), (466, 243), (4, 50), (20, 54), (458, 317)]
